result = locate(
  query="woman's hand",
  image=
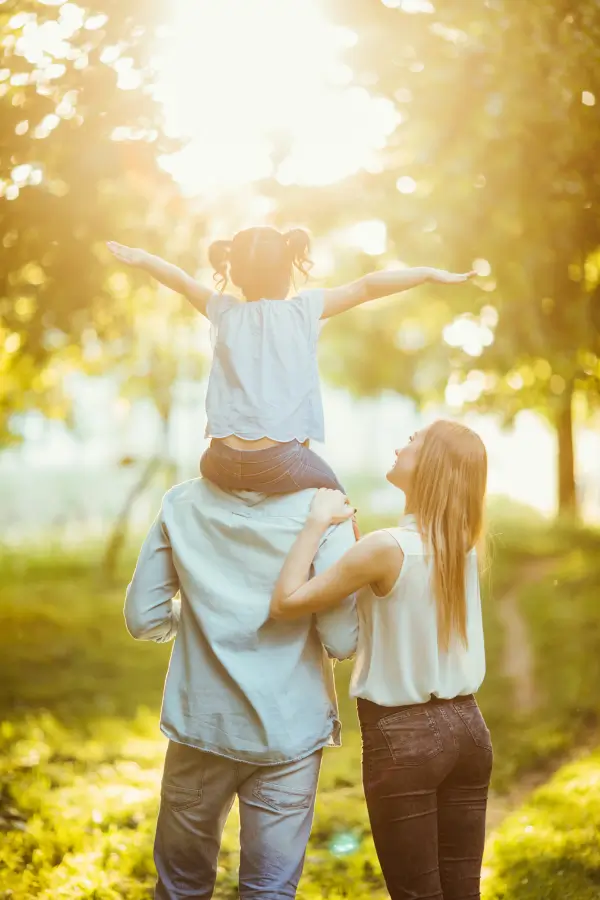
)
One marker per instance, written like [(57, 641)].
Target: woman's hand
[(330, 508), (131, 256), (440, 276)]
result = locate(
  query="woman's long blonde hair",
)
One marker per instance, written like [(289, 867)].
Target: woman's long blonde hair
[(447, 495)]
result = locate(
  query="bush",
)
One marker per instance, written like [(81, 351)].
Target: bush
[(549, 849)]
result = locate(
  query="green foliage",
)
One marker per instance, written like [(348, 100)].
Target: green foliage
[(79, 815), (66, 646), (81, 137), (559, 607), (549, 849), (502, 157), (496, 146), (78, 812)]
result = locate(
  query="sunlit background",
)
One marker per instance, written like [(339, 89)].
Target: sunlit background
[(264, 91), (258, 74), (399, 132)]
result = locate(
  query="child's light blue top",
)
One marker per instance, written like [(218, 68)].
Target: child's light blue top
[(264, 380)]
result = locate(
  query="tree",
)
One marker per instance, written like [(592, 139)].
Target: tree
[(80, 137), (496, 159), (159, 359), (534, 203)]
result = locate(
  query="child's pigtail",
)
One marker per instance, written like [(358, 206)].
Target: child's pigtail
[(298, 243), (219, 255)]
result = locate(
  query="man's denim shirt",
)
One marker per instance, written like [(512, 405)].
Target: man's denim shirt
[(239, 684)]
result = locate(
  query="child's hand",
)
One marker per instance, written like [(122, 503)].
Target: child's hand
[(129, 255), (440, 276), (330, 507)]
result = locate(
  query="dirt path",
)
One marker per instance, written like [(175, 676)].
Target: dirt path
[(518, 661), (519, 666), (501, 805)]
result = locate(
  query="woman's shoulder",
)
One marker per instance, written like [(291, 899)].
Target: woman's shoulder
[(408, 538), (381, 543)]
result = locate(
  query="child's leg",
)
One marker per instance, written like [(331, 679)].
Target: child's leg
[(314, 472), (283, 469), (264, 471), (311, 471)]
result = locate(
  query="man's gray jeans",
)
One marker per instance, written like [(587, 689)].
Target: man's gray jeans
[(276, 811)]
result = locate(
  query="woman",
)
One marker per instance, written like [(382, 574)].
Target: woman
[(427, 755)]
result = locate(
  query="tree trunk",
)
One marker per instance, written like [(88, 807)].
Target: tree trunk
[(567, 494), (118, 534)]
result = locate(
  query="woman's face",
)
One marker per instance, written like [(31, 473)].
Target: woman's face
[(401, 473)]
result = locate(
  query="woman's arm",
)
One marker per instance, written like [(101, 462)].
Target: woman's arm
[(382, 284), (171, 276), (370, 561)]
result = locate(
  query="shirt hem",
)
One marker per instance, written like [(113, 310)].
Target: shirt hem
[(364, 694), (219, 435), (329, 741)]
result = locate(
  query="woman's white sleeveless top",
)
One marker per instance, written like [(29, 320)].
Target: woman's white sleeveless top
[(398, 660)]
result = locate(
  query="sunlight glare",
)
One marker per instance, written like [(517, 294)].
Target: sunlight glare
[(243, 81), (417, 6), (470, 335), (370, 237)]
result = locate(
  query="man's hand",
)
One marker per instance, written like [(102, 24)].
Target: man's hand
[(330, 508), (131, 256), (440, 276)]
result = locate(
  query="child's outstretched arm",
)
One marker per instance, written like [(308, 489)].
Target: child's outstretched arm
[(167, 274), (382, 284)]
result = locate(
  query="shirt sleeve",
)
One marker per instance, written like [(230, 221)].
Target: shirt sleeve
[(337, 628), (217, 304), (312, 303), (152, 610)]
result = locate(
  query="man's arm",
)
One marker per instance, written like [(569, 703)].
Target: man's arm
[(383, 284), (151, 612), (171, 276), (337, 628)]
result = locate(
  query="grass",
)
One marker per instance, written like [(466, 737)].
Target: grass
[(81, 754), (560, 610), (550, 849)]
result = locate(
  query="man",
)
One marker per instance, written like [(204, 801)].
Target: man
[(249, 702)]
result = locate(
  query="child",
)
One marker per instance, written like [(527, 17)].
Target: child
[(263, 402)]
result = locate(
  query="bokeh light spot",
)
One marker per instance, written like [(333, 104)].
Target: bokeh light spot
[(344, 844), (406, 185), (482, 267)]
